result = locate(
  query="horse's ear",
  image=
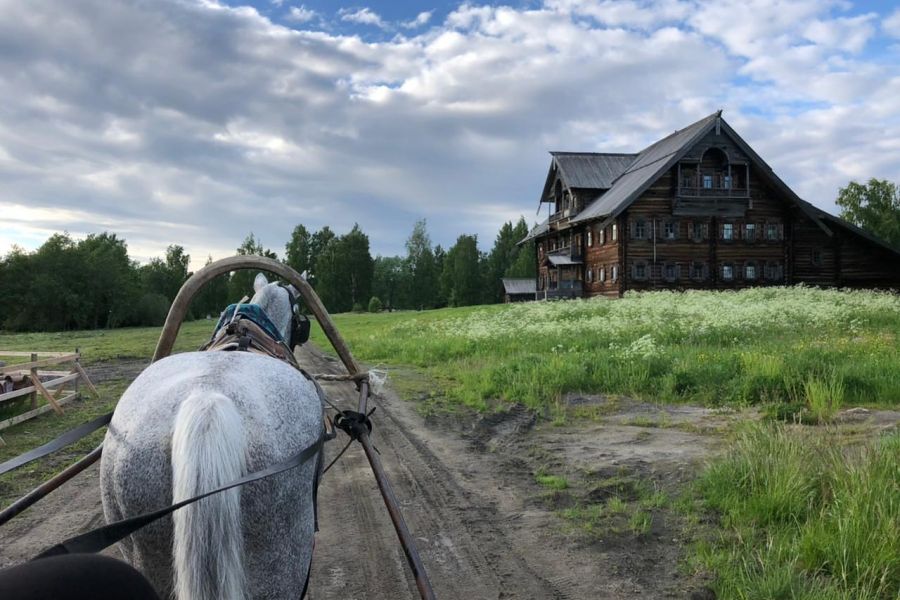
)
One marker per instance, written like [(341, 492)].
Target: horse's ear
[(260, 282)]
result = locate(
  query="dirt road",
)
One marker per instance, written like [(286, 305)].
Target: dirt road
[(485, 528)]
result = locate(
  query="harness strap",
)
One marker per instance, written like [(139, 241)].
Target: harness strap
[(69, 437), (103, 537)]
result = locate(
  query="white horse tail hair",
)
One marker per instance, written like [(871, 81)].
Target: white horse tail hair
[(208, 451)]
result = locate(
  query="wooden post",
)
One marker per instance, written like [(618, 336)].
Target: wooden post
[(47, 395), (34, 376), (78, 352), (87, 380)]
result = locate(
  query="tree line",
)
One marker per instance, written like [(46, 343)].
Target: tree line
[(92, 283)]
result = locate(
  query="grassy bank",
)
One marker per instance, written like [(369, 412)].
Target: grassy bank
[(815, 347), (803, 517)]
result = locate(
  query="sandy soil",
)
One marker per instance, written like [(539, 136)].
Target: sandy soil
[(485, 528)]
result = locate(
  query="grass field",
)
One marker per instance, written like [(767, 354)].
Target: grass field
[(797, 512), (818, 348), (804, 517)]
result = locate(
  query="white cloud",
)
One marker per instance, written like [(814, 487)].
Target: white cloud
[(891, 24), (195, 123), (301, 14), (421, 19), (362, 16)]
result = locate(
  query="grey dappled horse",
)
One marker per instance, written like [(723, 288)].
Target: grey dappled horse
[(194, 421)]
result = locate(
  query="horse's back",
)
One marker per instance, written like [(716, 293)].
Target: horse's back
[(281, 414)]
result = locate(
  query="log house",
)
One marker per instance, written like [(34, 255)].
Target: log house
[(698, 209)]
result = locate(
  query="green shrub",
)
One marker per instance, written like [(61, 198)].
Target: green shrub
[(375, 305)]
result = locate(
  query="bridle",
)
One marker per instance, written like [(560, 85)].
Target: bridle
[(300, 324)]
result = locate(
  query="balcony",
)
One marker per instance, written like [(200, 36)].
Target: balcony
[(693, 191), (565, 255), (705, 201), (567, 288), (564, 214)]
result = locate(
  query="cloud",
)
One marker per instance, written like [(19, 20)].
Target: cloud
[(301, 14), (891, 24), (421, 19), (362, 16), (195, 123)]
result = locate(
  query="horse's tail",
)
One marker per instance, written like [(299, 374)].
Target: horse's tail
[(208, 451)]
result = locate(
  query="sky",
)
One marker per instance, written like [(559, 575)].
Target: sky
[(196, 122)]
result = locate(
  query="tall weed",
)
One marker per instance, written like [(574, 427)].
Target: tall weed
[(803, 518)]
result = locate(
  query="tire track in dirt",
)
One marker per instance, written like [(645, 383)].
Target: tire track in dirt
[(460, 533)]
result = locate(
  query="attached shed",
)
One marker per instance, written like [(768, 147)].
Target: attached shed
[(518, 290)]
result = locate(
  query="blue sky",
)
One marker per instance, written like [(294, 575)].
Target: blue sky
[(197, 121)]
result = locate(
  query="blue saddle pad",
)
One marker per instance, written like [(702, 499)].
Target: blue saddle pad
[(255, 313)]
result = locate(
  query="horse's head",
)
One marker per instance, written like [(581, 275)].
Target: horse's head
[(278, 303)]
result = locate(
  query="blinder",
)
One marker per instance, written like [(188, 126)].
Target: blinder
[(300, 325)]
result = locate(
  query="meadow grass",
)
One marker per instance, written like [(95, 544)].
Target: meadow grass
[(105, 344), (804, 517), (752, 346)]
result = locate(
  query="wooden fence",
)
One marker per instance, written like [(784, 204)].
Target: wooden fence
[(32, 379)]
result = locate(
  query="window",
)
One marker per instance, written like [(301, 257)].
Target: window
[(602, 276), (640, 229), (698, 231), (603, 236), (772, 232), (615, 232), (697, 271), (669, 230), (670, 272), (614, 275), (727, 231), (727, 272), (726, 182), (707, 182), (817, 257), (590, 275), (773, 271), (750, 232), (640, 270), (750, 271), (590, 237)]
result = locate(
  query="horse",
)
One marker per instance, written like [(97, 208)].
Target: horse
[(195, 421)]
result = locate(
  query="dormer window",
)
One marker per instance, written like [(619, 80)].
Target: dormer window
[(590, 237), (602, 236), (615, 232)]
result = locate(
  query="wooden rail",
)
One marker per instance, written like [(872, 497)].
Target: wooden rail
[(30, 374)]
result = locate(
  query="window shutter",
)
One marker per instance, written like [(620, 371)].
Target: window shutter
[(781, 231), (704, 231), (675, 227), (721, 231), (633, 225), (738, 230), (690, 229), (677, 271)]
